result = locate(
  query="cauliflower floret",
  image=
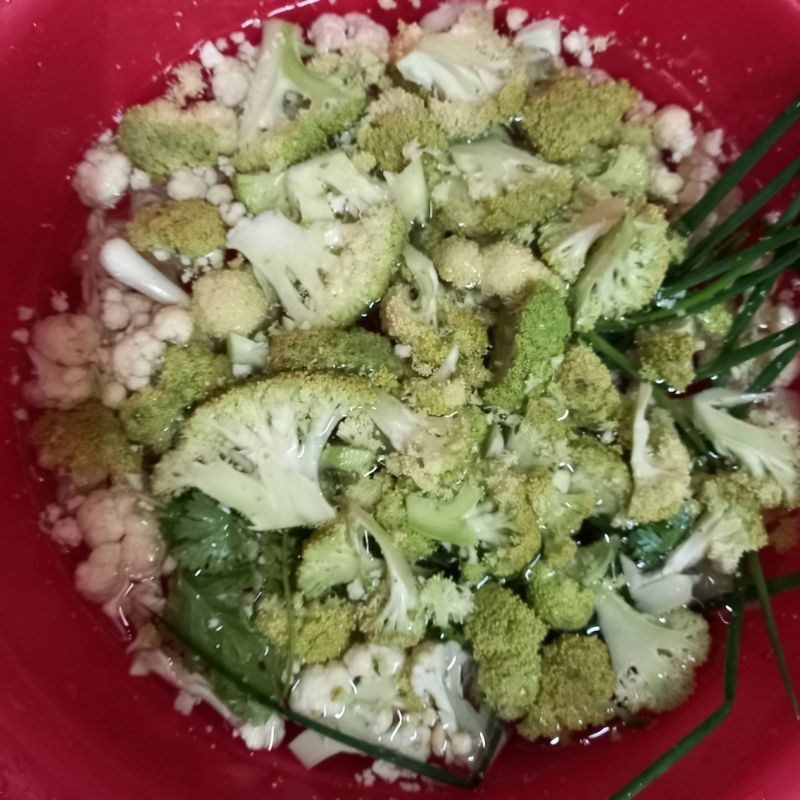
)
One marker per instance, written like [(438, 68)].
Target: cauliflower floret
[(66, 531), (172, 324), (672, 131), (135, 358), (119, 525), (263, 737), (334, 32), (120, 309), (187, 82), (69, 340), (101, 179), (230, 82), (55, 386), (187, 184), (664, 184)]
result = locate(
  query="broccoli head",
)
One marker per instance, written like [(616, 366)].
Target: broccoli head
[(570, 112), (86, 444), (326, 274), (315, 632), (191, 228), (567, 237), (584, 382), (625, 270), (228, 301), (660, 463), (358, 351), (541, 439), (666, 355), (160, 137), (525, 346), (334, 555), (394, 121), (439, 398), (291, 111), (654, 661), (506, 637), (256, 448), (498, 189), (390, 512), (577, 688), (151, 417), (559, 600), (599, 470)]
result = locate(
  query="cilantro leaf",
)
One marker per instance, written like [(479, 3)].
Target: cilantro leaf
[(650, 544)]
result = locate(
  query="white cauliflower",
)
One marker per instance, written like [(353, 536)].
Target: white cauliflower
[(119, 526), (121, 309), (664, 184), (101, 179), (334, 32), (172, 324), (187, 83), (186, 184), (66, 531), (70, 340), (230, 81), (672, 131), (55, 386), (136, 358)]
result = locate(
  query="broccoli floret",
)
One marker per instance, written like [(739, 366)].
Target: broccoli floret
[(395, 120), (334, 555), (458, 329), (191, 228), (445, 602), (434, 452), (762, 451), (654, 662), (262, 191), (577, 688), (352, 68), (476, 78), (584, 382), (409, 191), (367, 491), (570, 113), (160, 137), (256, 448), (559, 600), (86, 444), (319, 286), (566, 239), (666, 355), (542, 437), (625, 270), (391, 514), (506, 636), (627, 173), (291, 111), (500, 189), (525, 346), (316, 631), (357, 351), (330, 185), (729, 526), (504, 269), (660, 463), (440, 398), (392, 615), (230, 301), (152, 416), (599, 470)]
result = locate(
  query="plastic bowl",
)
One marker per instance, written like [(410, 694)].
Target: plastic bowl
[(73, 725)]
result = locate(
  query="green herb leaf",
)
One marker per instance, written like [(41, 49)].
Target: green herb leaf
[(204, 536), (650, 544)]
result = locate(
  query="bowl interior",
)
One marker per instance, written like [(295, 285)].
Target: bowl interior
[(72, 723)]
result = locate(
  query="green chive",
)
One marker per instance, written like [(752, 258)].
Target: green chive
[(744, 212), (726, 362), (611, 354), (694, 217), (757, 575), (289, 601), (769, 374), (750, 255), (664, 762), (790, 214)]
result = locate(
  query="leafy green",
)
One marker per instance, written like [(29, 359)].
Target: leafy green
[(204, 536), (649, 544)]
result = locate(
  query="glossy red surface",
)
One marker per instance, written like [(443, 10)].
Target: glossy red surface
[(73, 725)]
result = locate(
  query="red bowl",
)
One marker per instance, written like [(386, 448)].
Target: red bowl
[(73, 725)]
